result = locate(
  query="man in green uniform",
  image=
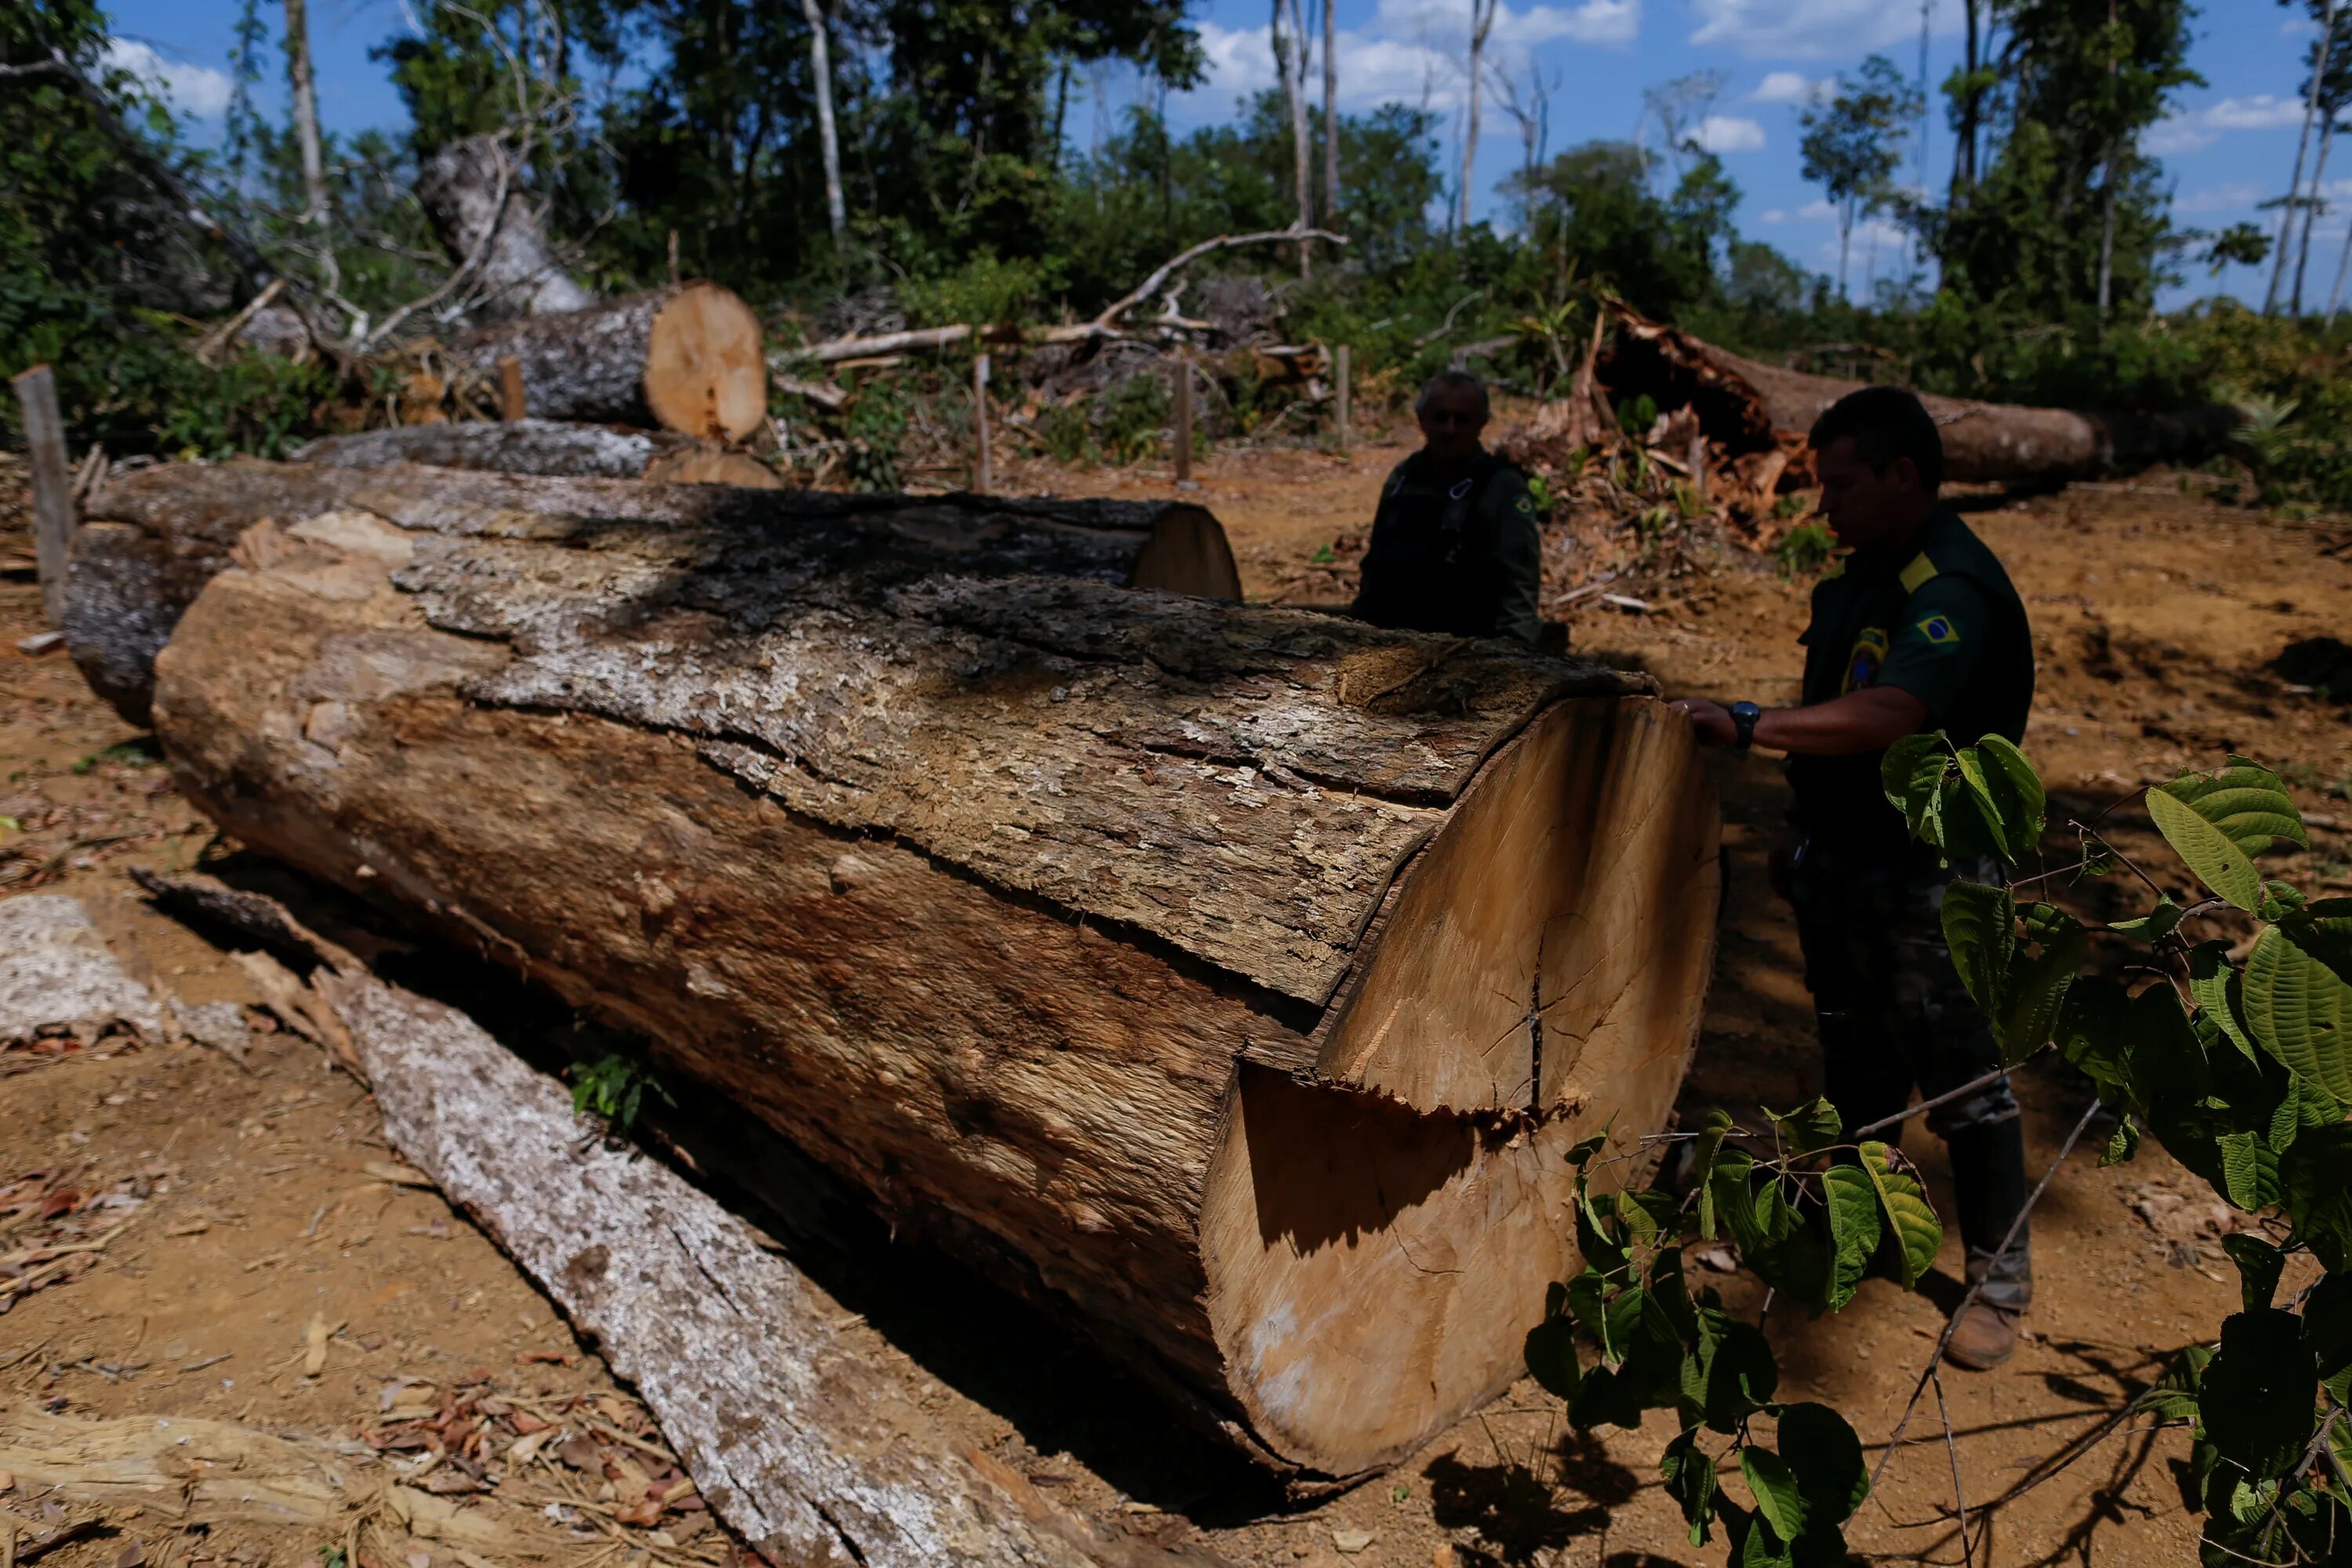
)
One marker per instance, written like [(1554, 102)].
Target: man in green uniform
[(1454, 546), (1917, 629)]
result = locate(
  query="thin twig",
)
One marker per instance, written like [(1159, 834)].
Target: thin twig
[(1952, 1325), (1952, 1446), (1945, 1098)]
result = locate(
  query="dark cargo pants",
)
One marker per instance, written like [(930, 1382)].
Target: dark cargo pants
[(1893, 1015)]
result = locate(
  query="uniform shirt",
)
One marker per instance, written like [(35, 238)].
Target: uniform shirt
[(1937, 619), (1455, 548)]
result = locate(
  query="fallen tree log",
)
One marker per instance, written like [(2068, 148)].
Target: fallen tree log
[(550, 447), (153, 537), (1740, 403), (1232, 979), (686, 359)]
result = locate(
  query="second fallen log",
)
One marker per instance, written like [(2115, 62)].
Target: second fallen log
[(687, 359), (1232, 979)]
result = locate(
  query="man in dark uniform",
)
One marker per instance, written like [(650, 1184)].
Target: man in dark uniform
[(1916, 630), (1454, 546)]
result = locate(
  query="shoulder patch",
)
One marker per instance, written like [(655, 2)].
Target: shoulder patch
[(1526, 503), (1939, 630), (1918, 574)]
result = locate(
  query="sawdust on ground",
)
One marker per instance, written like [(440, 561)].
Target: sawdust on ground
[(258, 1268)]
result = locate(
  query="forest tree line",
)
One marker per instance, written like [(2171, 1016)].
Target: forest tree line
[(845, 165)]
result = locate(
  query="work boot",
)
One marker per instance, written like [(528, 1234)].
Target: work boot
[(1983, 1336)]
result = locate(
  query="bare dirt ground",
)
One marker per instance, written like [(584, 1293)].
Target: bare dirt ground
[(252, 1254)]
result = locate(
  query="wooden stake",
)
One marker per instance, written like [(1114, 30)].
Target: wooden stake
[(511, 405), (673, 258), (53, 504), (1184, 422), (1339, 357), (984, 480)]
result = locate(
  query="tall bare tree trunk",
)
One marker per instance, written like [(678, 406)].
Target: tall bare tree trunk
[(2336, 294), (2301, 146), (828, 143), (1482, 22), (2311, 212), (1290, 63), (1330, 113), (2108, 198), (1964, 151), (305, 136)]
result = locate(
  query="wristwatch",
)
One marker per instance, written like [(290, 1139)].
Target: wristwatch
[(1743, 722)]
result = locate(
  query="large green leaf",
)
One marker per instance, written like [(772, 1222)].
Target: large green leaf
[(1827, 1457), (1913, 776), (2259, 1267), (2316, 1189), (2249, 1171), (1918, 1234), (2213, 982), (2173, 1396), (1741, 1374), (1690, 1481), (1981, 931), (2246, 801), (1777, 1498), (2016, 792), (1853, 1206), (2256, 1397), (1811, 1127), (2094, 1034), (2298, 1009), (1550, 1352), (2206, 849), (2035, 992), (2324, 930)]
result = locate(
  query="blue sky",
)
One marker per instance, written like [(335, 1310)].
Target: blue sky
[(2228, 147)]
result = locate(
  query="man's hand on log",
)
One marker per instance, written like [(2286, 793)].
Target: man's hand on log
[(1711, 720)]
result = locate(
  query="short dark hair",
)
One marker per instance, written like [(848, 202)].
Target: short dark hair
[(1887, 422), (1452, 381)]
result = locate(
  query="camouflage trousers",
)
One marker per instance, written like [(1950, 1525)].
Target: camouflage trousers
[(1894, 1016)]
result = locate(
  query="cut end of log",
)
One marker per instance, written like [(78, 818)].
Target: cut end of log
[(713, 466), (1188, 553), (1378, 1241), (705, 372)]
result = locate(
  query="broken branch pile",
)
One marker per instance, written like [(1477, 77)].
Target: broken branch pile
[(1230, 979)]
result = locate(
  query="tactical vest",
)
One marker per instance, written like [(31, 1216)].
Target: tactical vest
[(1430, 566)]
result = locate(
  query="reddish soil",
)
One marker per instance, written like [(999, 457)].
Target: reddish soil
[(258, 1204)]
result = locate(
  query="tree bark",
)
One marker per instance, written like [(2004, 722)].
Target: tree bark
[(1330, 112), (2301, 146), (1482, 21), (472, 194), (1290, 63), (155, 536), (316, 213), (1741, 402), (828, 144), (1235, 977), (506, 446), (2311, 215), (686, 359)]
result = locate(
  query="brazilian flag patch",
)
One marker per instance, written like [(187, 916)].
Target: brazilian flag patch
[(1939, 630)]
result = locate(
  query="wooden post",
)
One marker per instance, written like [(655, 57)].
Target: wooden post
[(985, 479), (53, 503), (1184, 422), (511, 405), (1340, 392)]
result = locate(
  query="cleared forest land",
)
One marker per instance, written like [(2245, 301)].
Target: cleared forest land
[(277, 1271)]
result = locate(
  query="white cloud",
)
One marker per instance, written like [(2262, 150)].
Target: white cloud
[(2218, 199), (193, 89), (1817, 211), (1730, 133), (1807, 29), (1772, 215), (1411, 51), (2196, 129), (1787, 86)]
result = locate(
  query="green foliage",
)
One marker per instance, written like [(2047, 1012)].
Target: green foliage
[(1854, 143), (1811, 1218), (1805, 550), (613, 1088), (2242, 1072), (877, 433), (1135, 416)]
